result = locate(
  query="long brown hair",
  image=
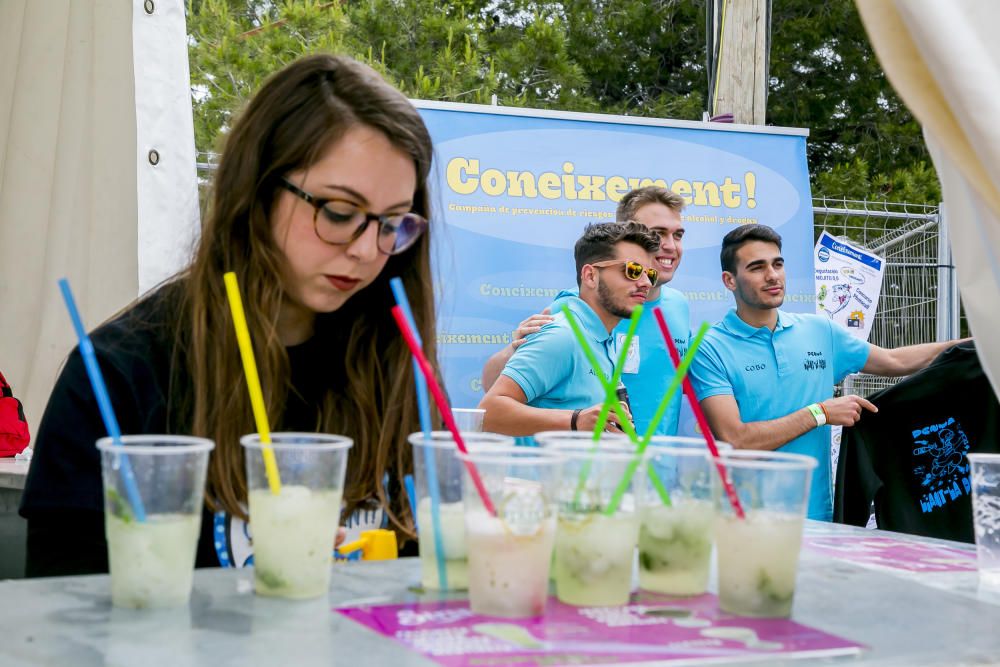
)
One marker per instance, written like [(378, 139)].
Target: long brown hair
[(293, 119)]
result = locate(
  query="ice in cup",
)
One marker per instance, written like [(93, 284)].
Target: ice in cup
[(469, 419), (152, 561), (510, 553), (452, 531), (436, 466), (758, 555), (293, 532), (595, 551), (985, 476), (675, 540)]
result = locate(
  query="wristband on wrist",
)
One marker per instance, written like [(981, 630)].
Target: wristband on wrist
[(572, 420), (818, 412)]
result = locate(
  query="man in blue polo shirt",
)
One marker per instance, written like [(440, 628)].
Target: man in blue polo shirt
[(550, 385), (648, 369), (765, 377)]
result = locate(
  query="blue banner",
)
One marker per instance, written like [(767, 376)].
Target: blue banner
[(515, 189)]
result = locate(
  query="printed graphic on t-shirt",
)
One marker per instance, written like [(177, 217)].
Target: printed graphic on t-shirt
[(814, 361), (233, 537), (632, 358), (939, 463)]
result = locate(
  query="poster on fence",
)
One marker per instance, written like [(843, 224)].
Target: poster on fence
[(848, 284)]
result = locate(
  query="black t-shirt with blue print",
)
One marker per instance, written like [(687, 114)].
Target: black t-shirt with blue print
[(910, 456), (62, 498)]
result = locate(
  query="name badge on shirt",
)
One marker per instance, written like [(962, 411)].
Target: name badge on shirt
[(632, 359)]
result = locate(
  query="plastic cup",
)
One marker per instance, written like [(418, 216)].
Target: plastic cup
[(594, 553), (293, 532), (152, 562), (758, 556), (469, 419), (510, 553), (985, 476), (675, 541), (441, 452)]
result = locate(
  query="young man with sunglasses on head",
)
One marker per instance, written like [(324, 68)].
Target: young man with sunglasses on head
[(765, 377), (648, 369), (550, 385)]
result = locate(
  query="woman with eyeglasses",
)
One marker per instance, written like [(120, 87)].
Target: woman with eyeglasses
[(319, 199)]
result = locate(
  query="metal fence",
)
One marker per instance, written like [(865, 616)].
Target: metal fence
[(919, 301)]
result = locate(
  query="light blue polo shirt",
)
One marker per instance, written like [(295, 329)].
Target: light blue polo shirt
[(648, 368), (774, 374), (551, 368)]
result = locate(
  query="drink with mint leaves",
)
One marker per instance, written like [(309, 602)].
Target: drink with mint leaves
[(675, 538), (293, 530), (151, 557), (758, 554)]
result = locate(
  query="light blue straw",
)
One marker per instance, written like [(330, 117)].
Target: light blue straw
[(103, 401), (411, 493), (425, 425)]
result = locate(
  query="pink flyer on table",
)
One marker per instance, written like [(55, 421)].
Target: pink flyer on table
[(893, 554), (653, 629)]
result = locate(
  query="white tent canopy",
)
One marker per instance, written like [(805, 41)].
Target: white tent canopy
[(89, 91), (944, 60)]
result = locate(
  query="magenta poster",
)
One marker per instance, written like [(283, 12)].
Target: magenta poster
[(653, 629)]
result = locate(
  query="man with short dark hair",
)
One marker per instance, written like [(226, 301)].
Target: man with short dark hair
[(549, 385), (765, 377), (648, 369)]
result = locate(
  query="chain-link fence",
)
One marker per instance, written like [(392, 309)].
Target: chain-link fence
[(919, 300)]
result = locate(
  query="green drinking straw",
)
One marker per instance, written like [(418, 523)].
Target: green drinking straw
[(610, 399), (610, 394), (675, 384), (611, 389)]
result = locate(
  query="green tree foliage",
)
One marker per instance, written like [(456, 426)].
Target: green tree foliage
[(633, 57)]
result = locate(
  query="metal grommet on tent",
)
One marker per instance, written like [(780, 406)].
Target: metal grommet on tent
[(154, 157), (149, 6)]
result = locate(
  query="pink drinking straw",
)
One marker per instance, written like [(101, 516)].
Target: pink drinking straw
[(700, 416), (442, 404)]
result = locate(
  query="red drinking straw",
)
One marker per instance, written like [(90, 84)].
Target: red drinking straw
[(442, 404), (700, 416)]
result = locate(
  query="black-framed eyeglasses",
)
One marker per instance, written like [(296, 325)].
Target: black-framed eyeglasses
[(343, 222), (633, 269)]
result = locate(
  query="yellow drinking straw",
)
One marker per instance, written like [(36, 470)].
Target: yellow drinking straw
[(253, 381)]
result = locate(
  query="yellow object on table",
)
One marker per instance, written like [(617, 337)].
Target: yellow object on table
[(379, 544)]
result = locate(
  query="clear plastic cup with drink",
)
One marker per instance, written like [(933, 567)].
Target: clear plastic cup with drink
[(152, 561), (595, 550), (436, 467), (675, 539), (985, 476), (510, 552), (758, 556), (293, 532), (469, 419)]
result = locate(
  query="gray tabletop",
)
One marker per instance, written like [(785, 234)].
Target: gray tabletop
[(925, 619), (12, 473)]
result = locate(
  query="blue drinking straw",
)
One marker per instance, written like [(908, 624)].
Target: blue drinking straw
[(425, 425), (411, 494), (103, 401)]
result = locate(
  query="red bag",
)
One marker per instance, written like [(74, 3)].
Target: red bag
[(13, 426)]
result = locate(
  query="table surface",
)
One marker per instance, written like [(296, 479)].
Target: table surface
[(12, 473), (925, 619)]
